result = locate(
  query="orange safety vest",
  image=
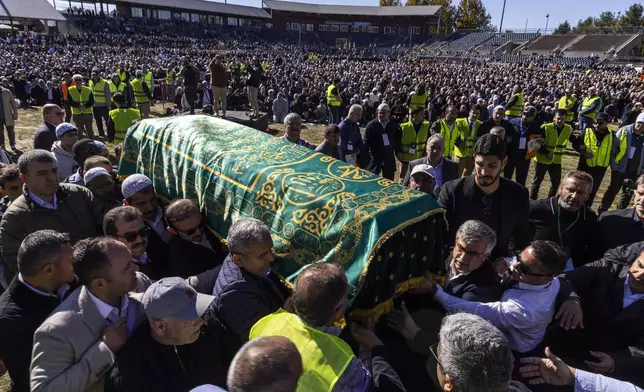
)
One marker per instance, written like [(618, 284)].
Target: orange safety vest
[(64, 90)]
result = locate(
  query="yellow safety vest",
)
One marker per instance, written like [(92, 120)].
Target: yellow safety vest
[(324, 357), (149, 79), (98, 89), (417, 101), (568, 104), (81, 98), (117, 89), (451, 135), (170, 77), (413, 144), (123, 118), (623, 144), (139, 94), (332, 100), (464, 134), (121, 74), (517, 108), (601, 153), (588, 102), (556, 144)]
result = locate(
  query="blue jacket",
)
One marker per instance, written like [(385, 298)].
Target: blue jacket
[(243, 298)]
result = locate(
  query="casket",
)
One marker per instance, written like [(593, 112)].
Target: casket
[(318, 208)]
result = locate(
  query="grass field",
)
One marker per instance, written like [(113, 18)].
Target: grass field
[(29, 119)]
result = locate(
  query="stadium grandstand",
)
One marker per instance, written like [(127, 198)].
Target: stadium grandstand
[(36, 15)]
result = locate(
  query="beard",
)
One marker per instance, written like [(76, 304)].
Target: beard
[(487, 180)]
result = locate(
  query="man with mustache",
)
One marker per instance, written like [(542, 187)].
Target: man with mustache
[(606, 334), (125, 224), (500, 203), (622, 227), (566, 220)]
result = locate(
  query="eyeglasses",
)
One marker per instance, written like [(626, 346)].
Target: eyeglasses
[(131, 236), (432, 349), (193, 231), (467, 252), (523, 269)]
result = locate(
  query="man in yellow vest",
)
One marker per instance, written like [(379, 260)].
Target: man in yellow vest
[(320, 300), (589, 108), (81, 100), (334, 101), (170, 80), (548, 158), (464, 144), (568, 102), (120, 119), (514, 107), (142, 94), (117, 86), (413, 140), (148, 77), (595, 147), (451, 129), (102, 97), (417, 98)]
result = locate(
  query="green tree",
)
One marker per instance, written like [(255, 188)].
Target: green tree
[(633, 16), (606, 19), (446, 13), (585, 25), (563, 28), (472, 14), (389, 3)]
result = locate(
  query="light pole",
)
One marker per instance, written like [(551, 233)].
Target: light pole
[(547, 20), (502, 15)]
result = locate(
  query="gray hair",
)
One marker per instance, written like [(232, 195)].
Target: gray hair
[(77, 76), (588, 179), (40, 156), (640, 180), (355, 107), (292, 117), (475, 354), (473, 231), (138, 73), (437, 137), (246, 232)]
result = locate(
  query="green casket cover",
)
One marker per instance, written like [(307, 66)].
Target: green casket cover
[(317, 207)]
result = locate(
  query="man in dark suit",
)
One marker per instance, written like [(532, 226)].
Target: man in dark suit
[(567, 220), (139, 193), (193, 249), (382, 142), (500, 203), (52, 94), (469, 275), (525, 129), (246, 290), (621, 227), (125, 224), (45, 136), (45, 274), (612, 324), (446, 170)]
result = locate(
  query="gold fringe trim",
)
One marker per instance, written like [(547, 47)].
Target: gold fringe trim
[(371, 316)]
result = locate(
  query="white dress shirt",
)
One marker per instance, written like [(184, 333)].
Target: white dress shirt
[(522, 314), (453, 274), (111, 314), (629, 297), (591, 382), (60, 292)]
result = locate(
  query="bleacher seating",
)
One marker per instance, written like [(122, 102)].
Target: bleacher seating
[(466, 43), (545, 61), (599, 43), (550, 42), (503, 38)]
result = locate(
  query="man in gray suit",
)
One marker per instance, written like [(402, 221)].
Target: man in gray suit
[(76, 345)]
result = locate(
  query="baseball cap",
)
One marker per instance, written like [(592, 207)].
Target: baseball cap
[(640, 118), (174, 298), (601, 116), (63, 128), (426, 169)]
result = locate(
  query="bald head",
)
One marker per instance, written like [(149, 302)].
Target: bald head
[(268, 364), (320, 294)]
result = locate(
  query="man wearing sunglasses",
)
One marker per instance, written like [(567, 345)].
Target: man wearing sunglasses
[(596, 151), (125, 224), (45, 136), (527, 304), (193, 248)]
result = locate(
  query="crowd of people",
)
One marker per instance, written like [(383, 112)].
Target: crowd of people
[(108, 287)]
